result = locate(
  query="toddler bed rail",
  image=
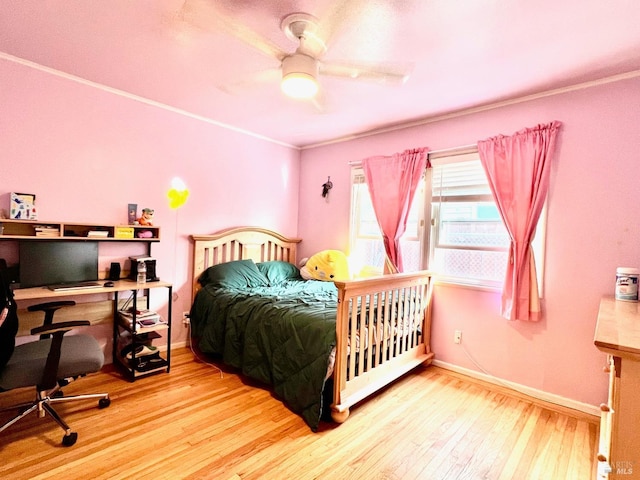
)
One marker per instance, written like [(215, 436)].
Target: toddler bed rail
[(389, 320)]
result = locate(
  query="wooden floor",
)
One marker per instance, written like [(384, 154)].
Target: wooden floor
[(193, 424)]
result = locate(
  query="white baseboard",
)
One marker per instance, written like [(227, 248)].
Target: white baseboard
[(179, 344), (531, 392)]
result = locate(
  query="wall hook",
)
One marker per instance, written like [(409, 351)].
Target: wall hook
[(326, 187)]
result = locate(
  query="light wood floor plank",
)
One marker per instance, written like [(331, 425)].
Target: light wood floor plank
[(196, 424)]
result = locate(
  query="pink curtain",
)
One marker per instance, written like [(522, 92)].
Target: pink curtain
[(392, 183), (518, 168)]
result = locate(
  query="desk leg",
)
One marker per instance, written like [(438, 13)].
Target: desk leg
[(169, 322), (114, 353)]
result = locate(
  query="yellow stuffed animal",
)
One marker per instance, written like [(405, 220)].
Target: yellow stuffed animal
[(327, 265)]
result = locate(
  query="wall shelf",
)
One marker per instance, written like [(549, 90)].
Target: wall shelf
[(42, 230)]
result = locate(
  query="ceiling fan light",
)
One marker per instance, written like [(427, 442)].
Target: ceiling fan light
[(299, 85), (299, 76)]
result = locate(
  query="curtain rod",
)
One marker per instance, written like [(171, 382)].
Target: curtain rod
[(443, 152)]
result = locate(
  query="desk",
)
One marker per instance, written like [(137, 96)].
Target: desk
[(147, 334), (40, 293), (618, 334)]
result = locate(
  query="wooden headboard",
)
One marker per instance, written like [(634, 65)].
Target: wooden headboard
[(240, 243)]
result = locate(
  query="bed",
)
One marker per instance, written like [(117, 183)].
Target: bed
[(321, 346)]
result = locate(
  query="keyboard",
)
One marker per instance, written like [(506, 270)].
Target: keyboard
[(73, 286)]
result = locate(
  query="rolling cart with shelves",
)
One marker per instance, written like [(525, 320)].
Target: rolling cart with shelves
[(130, 337)]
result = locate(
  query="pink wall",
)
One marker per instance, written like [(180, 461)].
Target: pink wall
[(592, 228), (87, 153)]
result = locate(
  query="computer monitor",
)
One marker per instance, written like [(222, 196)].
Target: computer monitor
[(51, 262)]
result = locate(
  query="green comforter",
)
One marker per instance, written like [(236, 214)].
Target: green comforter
[(282, 336)]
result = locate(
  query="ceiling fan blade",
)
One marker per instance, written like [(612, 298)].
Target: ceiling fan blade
[(269, 75), (320, 102), (209, 16), (392, 74)]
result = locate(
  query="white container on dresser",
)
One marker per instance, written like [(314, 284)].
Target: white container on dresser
[(618, 335)]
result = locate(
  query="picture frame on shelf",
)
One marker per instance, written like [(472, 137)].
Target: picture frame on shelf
[(23, 206), (132, 213)]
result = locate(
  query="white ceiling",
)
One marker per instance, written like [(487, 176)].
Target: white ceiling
[(194, 57)]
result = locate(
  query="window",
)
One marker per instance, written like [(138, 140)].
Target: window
[(367, 249), (466, 242)]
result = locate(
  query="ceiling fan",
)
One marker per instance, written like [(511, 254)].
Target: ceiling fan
[(300, 70)]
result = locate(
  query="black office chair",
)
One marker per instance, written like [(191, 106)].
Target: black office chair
[(48, 363)]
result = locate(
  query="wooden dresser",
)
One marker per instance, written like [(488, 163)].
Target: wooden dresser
[(618, 335)]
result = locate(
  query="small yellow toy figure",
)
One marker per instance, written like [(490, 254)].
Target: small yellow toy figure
[(327, 265), (147, 217)]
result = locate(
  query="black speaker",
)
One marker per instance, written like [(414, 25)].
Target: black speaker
[(114, 271)]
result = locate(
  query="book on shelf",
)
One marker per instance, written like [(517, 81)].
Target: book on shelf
[(97, 234), (140, 314), (144, 318), (46, 231)]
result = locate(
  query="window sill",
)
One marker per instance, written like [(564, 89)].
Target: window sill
[(449, 282)]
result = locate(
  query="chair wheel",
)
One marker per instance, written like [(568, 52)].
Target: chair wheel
[(104, 402), (69, 440)]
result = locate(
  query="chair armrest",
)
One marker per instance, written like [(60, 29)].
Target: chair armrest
[(60, 327), (51, 305), (49, 309)]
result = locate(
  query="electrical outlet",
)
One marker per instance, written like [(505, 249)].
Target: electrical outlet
[(457, 336), (185, 318)]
